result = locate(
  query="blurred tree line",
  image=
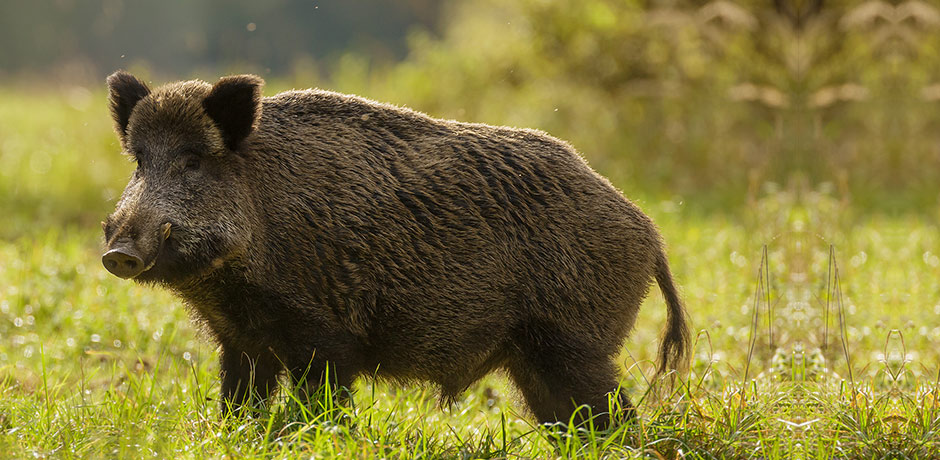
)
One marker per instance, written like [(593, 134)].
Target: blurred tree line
[(182, 37), (675, 98)]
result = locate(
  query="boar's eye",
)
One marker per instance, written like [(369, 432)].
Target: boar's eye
[(192, 163)]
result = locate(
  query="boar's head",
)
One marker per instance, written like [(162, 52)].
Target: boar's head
[(187, 207)]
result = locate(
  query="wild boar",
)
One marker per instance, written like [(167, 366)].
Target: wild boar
[(320, 234)]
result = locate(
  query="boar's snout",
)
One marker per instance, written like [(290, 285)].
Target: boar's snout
[(123, 261)]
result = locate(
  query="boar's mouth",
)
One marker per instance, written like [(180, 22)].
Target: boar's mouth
[(124, 260)]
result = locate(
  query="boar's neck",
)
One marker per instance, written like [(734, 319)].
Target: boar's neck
[(247, 314)]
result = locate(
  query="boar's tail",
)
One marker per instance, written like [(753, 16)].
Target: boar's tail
[(677, 338)]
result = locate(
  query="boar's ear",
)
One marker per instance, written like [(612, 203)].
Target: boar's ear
[(124, 92), (234, 104)]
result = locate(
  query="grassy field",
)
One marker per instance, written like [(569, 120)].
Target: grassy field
[(92, 366)]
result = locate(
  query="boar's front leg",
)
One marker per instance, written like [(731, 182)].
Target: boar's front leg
[(247, 376)]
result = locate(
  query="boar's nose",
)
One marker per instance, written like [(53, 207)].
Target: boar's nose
[(123, 262)]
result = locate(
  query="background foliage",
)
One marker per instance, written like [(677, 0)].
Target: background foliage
[(697, 98), (670, 97)]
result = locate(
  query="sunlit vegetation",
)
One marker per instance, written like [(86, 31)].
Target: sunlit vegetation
[(788, 156)]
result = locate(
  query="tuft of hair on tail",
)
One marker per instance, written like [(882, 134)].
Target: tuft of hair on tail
[(677, 338)]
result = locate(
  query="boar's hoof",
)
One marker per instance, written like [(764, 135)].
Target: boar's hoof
[(122, 263)]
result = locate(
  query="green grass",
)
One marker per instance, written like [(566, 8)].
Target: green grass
[(92, 366)]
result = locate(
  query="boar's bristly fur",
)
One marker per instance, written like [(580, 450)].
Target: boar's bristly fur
[(324, 234)]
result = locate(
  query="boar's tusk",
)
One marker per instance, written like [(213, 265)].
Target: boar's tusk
[(166, 230)]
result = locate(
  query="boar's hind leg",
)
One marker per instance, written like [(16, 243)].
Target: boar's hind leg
[(558, 380), (247, 375)]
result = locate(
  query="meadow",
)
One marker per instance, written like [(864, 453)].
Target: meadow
[(788, 151), (93, 366)]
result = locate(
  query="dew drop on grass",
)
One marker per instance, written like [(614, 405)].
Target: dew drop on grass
[(858, 259), (931, 259), (95, 338), (187, 356), (117, 343), (70, 342), (18, 322)]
